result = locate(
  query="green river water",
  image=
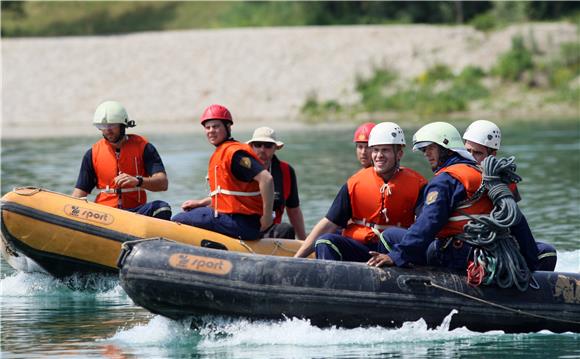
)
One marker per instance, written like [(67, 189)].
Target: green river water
[(44, 318)]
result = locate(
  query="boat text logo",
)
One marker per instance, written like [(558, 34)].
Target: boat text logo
[(567, 288), (88, 214), (200, 264)]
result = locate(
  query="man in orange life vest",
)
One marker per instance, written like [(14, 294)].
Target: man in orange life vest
[(482, 139), (430, 240), (265, 145), (122, 166), (361, 139), (242, 190), (373, 199)]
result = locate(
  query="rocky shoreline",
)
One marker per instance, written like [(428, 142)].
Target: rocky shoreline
[(51, 86)]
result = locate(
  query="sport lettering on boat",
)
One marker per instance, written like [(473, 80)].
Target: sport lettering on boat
[(200, 264), (88, 214), (568, 289)]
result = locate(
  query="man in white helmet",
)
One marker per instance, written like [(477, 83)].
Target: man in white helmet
[(375, 198), (431, 239), (482, 139), (122, 166)]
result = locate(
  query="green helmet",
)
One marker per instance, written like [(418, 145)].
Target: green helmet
[(443, 134), (111, 112)]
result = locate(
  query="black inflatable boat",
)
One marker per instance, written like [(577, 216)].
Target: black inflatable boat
[(177, 280)]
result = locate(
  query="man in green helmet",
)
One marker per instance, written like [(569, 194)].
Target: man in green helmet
[(121, 166)]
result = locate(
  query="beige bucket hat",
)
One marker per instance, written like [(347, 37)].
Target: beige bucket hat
[(265, 134)]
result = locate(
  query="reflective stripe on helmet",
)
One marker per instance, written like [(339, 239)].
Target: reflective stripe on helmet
[(362, 132)]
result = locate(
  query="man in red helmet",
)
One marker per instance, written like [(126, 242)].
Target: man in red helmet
[(361, 139), (241, 189)]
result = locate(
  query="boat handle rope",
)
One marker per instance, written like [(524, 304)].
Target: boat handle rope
[(131, 243), (518, 311), (279, 245), (127, 247), (247, 246), (30, 190)]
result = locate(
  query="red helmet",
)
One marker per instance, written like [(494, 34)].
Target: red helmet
[(362, 132), (216, 112)]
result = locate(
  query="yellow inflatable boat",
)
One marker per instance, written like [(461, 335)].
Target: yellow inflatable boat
[(63, 235)]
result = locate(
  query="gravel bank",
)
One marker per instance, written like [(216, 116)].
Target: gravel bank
[(52, 85)]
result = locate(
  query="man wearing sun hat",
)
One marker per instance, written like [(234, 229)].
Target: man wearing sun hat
[(265, 144)]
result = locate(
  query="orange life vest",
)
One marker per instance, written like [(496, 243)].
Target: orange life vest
[(286, 185), (228, 194), (470, 177), (376, 204), (107, 167)]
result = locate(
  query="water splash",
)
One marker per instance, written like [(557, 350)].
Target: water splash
[(159, 330), (568, 262), (27, 284), (216, 333), (20, 284)]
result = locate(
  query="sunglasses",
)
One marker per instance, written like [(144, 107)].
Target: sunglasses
[(105, 126), (268, 145)]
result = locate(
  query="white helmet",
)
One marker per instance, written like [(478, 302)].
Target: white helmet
[(386, 133), (111, 112), (443, 134), (485, 133)]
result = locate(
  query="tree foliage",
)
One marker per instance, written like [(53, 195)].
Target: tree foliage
[(32, 18)]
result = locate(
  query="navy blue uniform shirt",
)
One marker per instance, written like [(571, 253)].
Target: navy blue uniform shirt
[(433, 216), (243, 173), (280, 202)]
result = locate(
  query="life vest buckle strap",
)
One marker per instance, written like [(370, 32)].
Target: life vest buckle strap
[(467, 217), (363, 222), (109, 190), (219, 190)]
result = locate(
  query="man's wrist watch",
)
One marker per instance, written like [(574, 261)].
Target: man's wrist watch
[(140, 179)]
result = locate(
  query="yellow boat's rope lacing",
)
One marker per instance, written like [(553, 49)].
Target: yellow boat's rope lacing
[(28, 190), (278, 245)]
